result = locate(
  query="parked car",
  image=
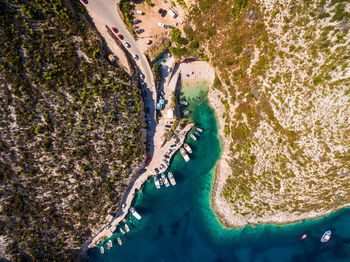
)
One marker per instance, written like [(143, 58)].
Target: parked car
[(162, 12), (170, 122), (156, 170), (161, 25), (138, 12), (149, 42), (162, 166), (85, 1), (140, 31), (168, 126), (173, 145), (137, 21), (108, 226), (115, 30), (165, 161), (127, 44), (121, 37), (166, 156), (136, 57)]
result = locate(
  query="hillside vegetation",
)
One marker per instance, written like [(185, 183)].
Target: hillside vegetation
[(70, 130), (284, 74)]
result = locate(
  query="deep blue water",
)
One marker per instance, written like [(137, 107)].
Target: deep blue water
[(179, 225)]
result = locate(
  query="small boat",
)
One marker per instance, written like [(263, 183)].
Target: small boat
[(135, 214), (185, 112), (127, 228), (156, 182), (196, 133), (102, 250), (304, 236), (109, 244), (184, 154), (119, 241), (182, 102), (326, 236), (199, 129), (171, 178), (193, 137), (122, 231), (165, 180), (187, 147)]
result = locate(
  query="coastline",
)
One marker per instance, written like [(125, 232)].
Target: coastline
[(223, 210)]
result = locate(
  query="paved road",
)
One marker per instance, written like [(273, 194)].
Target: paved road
[(107, 11)]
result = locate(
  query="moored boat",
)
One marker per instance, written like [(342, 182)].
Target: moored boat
[(185, 112), (187, 147), (121, 231), (127, 228), (193, 137), (119, 241), (196, 133), (171, 178), (199, 129), (102, 250), (304, 236), (165, 180), (184, 155), (326, 236), (135, 214), (109, 244), (156, 182), (182, 102)]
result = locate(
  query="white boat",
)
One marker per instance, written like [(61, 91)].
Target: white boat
[(199, 129), (184, 154), (171, 178), (186, 112), (127, 228), (187, 147), (122, 231), (102, 250), (119, 241), (135, 214), (156, 182), (182, 102), (326, 236), (193, 137), (109, 244), (165, 180)]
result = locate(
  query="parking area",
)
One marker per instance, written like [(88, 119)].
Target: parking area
[(151, 17)]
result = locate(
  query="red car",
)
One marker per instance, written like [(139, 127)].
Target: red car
[(149, 42), (115, 30), (85, 1), (120, 36)]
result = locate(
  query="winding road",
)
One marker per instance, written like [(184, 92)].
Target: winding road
[(106, 10)]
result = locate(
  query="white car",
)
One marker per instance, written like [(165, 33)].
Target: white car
[(127, 44), (136, 57)]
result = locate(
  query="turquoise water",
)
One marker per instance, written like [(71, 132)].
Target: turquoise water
[(179, 225)]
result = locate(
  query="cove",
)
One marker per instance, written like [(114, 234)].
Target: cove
[(178, 223)]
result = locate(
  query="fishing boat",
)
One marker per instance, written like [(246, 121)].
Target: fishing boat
[(304, 236), (185, 112), (184, 154), (199, 129), (182, 102), (171, 178), (187, 147), (122, 231), (135, 214), (193, 137), (165, 180), (119, 241), (102, 250), (156, 182), (127, 228), (326, 236), (109, 244), (196, 133)]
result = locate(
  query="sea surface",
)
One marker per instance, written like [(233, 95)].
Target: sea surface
[(178, 223)]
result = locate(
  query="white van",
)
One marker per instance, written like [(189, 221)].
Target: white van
[(136, 12)]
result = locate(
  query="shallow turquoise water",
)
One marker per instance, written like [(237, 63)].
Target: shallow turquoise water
[(179, 225)]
